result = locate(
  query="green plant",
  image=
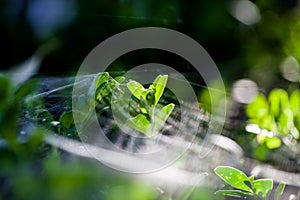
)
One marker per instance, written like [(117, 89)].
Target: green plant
[(247, 187), (148, 118), (277, 117), (31, 169), (151, 116)]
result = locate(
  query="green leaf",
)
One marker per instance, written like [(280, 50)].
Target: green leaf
[(106, 89), (262, 187), (273, 143), (235, 193), (279, 190), (101, 79), (279, 101), (44, 116), (251, 178), (66, 119), (295, 102), (120, 79), (162, 115), (233, 177), (136, 89), (159, 85), (285, 122), (268, 122), (140, 123), (258, 108)]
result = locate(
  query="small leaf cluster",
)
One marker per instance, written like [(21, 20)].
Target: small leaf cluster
[(247, 187), (279, 113), (151, 116)]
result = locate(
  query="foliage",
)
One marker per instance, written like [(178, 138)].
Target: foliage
[(31, 169), (279, 114), (246, 187), (151, 116)]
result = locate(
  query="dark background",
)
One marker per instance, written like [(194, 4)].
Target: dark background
[(72, 28)]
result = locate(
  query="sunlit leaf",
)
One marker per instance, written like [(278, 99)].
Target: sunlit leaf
[(261, 139), (159, 85), (140, 123), (136, 88), (258, 108), (273, 143), (233, 177), (279, 101), (263, 186), (295, 102)]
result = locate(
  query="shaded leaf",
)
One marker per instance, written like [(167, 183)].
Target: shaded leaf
[(66, 119), (4, 91), (279, 190), (234, 193), (162, 115), (101, 79)]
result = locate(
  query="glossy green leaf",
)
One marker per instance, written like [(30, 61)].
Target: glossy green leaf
[(136, 88), (66, 119), (162, 115), (262, 187), (159, 84), (279, 190), (140, 123), (235, 193), (233, 177), (273, 143)]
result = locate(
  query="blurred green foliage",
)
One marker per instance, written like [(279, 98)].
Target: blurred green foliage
[(255, 51), (31, 169), (279, 114)]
